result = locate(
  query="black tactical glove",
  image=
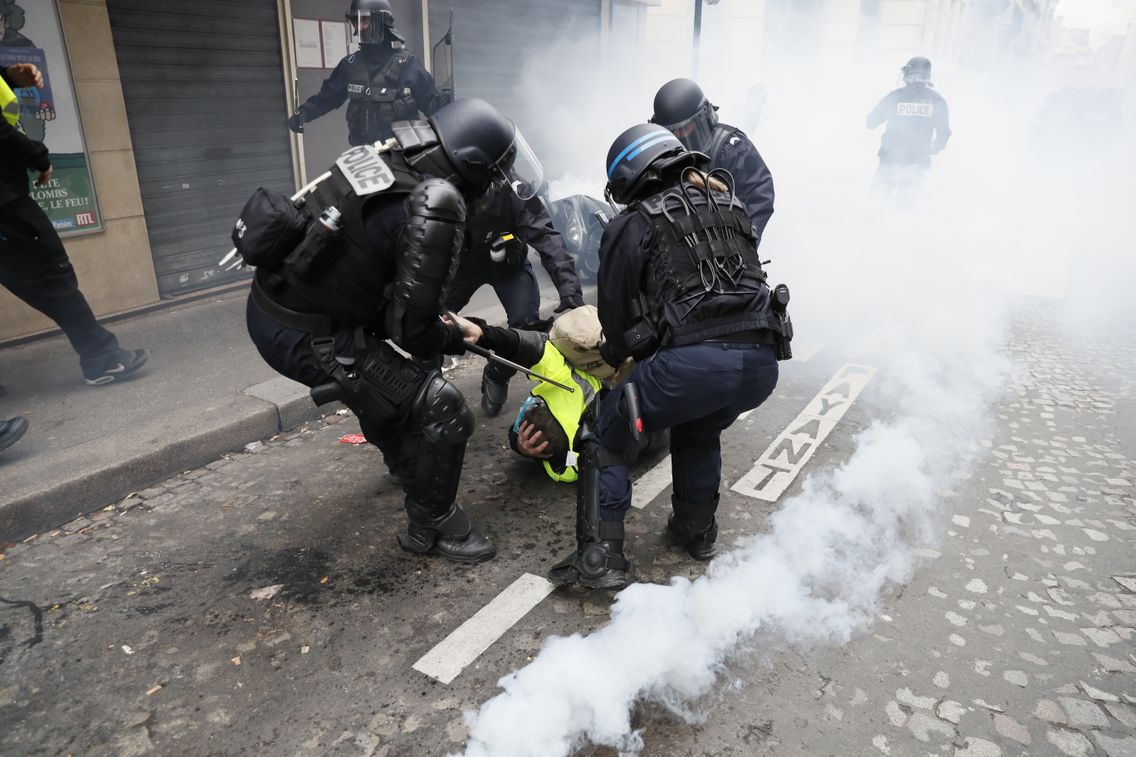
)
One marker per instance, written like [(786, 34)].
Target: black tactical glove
[(296, 122), (570, 302)]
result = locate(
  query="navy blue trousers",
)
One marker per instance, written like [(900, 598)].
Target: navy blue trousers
[(697, 392)]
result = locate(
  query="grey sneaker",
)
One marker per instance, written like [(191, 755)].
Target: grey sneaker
[(126, 362), (12, 430)]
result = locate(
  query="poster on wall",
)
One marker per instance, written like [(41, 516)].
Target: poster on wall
[(30, 33)]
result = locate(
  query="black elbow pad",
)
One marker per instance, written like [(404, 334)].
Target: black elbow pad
[(430, 246)]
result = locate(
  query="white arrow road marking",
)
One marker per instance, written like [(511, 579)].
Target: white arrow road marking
[(780, 464)]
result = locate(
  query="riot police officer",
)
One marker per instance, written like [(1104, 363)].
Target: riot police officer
[(918, 127), (382, 83), (501, 228), (370, 259), (682, 292), (681, 106)]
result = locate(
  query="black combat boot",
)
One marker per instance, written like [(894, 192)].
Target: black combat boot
[(694, 527), (494, 392), (597, 564), (450, 535)]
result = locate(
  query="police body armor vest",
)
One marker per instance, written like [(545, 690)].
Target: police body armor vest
[(349, 279), (376, 101), (704, 278)]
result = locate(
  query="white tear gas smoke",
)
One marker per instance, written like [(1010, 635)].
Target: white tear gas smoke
[(922, 295)]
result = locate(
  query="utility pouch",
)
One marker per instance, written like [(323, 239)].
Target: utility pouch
[(379, 386), (315, 253), (779, 302), (269, 228), (641, 340)]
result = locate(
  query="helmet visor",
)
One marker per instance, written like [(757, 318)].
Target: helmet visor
[(695, 132), (524, 175), (369, 27)]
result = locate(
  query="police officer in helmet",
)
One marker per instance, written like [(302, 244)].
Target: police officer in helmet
[(376, 249), (681, 292), (682, 107), (918, 126), (382, 83)]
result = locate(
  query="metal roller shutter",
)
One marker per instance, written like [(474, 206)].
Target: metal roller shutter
[(204, 92)]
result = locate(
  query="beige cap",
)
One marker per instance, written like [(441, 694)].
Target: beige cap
[(577, 335)]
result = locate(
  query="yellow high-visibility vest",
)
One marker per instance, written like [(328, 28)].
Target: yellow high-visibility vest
[(9, 104), (566, 407)]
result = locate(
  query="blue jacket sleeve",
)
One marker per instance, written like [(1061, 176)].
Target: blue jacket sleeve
[(536, 227), (753, 183), (623, 256), (942, 125), (332, 94), (421, 85), (883, 109)]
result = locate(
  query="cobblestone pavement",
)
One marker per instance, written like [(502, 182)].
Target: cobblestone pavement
[(260, 605)]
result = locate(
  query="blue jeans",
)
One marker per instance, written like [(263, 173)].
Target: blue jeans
[(697, 392)]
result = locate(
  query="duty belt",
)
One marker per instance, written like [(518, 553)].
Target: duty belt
[(757, 336), (314, 323)]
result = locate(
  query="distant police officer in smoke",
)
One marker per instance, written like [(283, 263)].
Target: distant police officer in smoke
[(382, 83), (365, 257), (917, 128), (681, 106), (681, 292)]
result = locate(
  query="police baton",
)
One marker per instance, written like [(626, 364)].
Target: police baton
[(491, 355)]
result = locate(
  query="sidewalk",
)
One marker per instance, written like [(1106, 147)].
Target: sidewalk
[(205, 391)]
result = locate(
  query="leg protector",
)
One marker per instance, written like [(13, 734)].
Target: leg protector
[(440, 423), (694, 527), (450, 535), (598, 562)]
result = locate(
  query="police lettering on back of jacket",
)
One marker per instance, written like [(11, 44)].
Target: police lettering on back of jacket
[(682, 293), (918, 127), (382, 83), (366, 256)]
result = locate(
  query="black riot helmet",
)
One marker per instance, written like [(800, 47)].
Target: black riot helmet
[(487, 148), (371, 21), (917, 70), (641, 158), (681, 106)]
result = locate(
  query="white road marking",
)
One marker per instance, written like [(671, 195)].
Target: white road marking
[(780, 464), (651, 484), (451, 656)]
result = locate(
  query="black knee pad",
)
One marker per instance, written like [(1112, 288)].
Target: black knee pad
[(440, 412)]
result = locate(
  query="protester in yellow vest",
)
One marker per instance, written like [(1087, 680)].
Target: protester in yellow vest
[(546, 424)]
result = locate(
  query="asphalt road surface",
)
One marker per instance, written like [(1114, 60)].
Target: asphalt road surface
[(261, 605)]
